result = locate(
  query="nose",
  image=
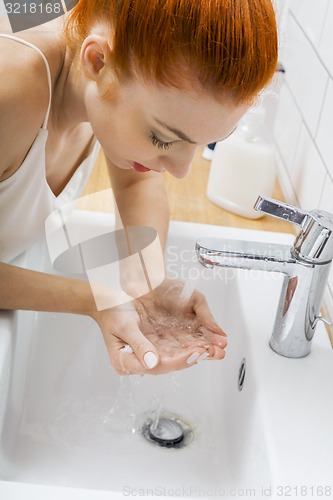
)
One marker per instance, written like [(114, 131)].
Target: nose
[(179, 164)]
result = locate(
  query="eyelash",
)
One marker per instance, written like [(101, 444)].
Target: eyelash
[(158, 143)]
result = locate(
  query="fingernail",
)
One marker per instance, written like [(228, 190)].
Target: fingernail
[(203, 356), (150, 359), (193, 358), (126, 348)]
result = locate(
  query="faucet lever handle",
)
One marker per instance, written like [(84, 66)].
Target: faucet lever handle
[(281, 210), (314, 243)]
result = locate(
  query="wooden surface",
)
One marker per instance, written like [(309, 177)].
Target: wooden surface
[(187, 199)]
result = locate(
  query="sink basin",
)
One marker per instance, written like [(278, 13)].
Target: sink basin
[(260, 424)]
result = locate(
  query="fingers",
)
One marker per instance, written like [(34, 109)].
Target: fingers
[(134, 353), (175, 360), (144, 350), (200, 307), (213, 343), (182, 359), (214, 338), (126, 363)]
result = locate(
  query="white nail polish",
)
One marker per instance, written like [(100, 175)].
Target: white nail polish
[(203, 356), (192, 358), (126, 348), (150, 359)]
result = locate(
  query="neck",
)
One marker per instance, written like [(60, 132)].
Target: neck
[(68, 103)]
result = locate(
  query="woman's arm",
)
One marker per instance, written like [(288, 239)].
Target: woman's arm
[(141, 200), (31, 290)]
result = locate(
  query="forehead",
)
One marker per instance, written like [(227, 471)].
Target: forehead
[(196, 113)]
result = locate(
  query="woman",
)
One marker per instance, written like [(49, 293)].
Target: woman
[(151, 81)]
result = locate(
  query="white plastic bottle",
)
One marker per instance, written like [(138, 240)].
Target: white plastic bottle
[(243, 167)]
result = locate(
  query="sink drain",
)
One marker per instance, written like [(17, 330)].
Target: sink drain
[(168, 432), (241, 374)]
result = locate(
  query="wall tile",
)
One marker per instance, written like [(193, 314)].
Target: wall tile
[(326, 44), (287, 127), (305, 74), (284, 181), (324, 136), (304, 122), (281, 7), (326, 203), (311, 16), (328, 303), (308, 172), (295, 6)]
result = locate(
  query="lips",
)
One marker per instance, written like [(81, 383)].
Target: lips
[(140, 168)]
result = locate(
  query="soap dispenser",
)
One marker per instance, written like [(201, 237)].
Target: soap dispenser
[(243, 166)]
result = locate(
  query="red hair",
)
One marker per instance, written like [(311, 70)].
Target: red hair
[(229, 46)]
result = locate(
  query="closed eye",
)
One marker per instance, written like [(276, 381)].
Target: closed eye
[(160, 144)]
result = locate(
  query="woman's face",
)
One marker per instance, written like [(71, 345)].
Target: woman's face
[(150, 127)]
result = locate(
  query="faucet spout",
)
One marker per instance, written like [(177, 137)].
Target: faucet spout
[(292, 332), (305, 267)]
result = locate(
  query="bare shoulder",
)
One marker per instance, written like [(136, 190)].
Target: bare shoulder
[(24, 96)]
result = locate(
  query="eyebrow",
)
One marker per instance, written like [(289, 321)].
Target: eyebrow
[(184, 137), (178, 133)]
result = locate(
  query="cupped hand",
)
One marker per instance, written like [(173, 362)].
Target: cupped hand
[(162, 331)]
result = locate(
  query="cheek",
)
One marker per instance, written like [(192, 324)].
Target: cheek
[(122, 132), (122, 141), (130, 141)]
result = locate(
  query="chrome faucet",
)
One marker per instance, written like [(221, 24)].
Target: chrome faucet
[(305, 266)]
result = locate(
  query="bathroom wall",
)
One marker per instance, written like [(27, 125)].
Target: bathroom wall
[(304, 122)]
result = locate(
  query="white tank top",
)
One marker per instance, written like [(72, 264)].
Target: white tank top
[(26, 199)]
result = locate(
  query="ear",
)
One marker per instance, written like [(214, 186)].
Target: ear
[(93, 56)]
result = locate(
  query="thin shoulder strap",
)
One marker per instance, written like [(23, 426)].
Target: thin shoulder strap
[(48, 72)]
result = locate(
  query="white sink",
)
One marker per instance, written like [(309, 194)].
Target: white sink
[(59, 440)]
